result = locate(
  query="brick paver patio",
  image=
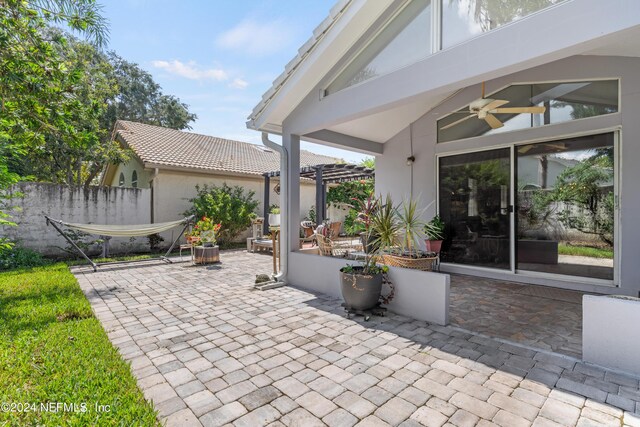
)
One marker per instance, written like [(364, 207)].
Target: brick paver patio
[(537, 316), (209, 350)]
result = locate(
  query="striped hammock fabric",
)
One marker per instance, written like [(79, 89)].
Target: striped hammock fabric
[(124, 230)]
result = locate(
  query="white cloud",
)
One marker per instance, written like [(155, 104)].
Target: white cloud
[(239, 84), (256, 38), (190, 70)]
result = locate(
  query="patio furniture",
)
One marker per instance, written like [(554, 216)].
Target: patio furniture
[(339, 247), (309, 233), (113, 230)]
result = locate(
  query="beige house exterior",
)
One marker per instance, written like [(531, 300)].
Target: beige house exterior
[(171, 163)]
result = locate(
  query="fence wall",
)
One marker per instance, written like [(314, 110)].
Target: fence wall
[(92, 205)]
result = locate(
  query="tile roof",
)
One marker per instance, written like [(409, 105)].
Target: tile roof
[(161, 146)]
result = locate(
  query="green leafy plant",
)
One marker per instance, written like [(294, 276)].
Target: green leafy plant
[(230, 206), (352, 226), (154, 241), (206, 231), (82, 240), (411, 225), (274, 210), (19, 257), (345, 192), (312, 214), (384, 224), (434, 229)]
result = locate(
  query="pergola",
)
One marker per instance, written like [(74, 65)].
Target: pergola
[(323, 175)]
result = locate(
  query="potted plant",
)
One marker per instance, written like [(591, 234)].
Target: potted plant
[(434, 231), (205, 233), (404, 251), (274, 216), (361, 285)]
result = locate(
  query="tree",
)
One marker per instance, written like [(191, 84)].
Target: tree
[(36, 88), (584, 194), (140, 99), (71, 159), (490, 14), (107, 88), (229, 206)]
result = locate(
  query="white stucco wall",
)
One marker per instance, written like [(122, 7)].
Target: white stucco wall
[(418, 294), (610, 333), (394, 176), (173, 189), (93, 205)]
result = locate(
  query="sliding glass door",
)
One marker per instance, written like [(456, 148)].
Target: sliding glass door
[(565, 207), (474, 203), (565, 214)]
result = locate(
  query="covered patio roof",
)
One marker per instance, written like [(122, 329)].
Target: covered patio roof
[(322, 175)]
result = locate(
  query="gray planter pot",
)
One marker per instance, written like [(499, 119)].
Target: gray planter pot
[(360, 292)]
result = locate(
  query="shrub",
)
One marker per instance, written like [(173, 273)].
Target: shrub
[(17, 257), (229, 206)]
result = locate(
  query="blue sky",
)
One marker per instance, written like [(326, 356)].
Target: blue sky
[(217, 56)]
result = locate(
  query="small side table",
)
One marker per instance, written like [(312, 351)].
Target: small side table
[(206, 254)]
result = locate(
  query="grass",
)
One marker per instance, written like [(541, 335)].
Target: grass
[(587, 251), (53, 349)]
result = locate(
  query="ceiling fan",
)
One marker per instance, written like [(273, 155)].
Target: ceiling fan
[(485, 108)]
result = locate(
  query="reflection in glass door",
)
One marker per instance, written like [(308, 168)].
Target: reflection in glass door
[(474, 192), (565, 207)]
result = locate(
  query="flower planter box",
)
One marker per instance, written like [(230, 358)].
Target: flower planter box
[(206, 255)]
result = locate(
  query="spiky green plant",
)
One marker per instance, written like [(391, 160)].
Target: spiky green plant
[(410, 225)]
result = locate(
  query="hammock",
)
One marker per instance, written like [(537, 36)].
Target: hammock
[(120, 231), (123, 230)]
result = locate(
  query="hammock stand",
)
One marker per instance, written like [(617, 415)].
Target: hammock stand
[(120, 231)]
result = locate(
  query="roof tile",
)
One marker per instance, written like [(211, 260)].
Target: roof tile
[(169, 147)]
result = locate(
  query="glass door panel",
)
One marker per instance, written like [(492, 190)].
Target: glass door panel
[(565, 206), (474, 192)]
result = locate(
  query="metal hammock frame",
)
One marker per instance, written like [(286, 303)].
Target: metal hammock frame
[(56, 223)]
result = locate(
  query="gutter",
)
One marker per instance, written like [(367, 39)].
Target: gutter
[(281, 277)]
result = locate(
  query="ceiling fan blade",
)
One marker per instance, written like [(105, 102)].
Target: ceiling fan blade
[(494, 104), (518, 110), (450, 125), (524, 149), (493, 121)]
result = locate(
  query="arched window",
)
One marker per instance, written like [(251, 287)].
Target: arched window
[(134, 179), (121, 180)]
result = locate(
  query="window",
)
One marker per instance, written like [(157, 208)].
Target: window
[(121, 180), (404, 41), (134, 179), (464, 19), (563, 102)]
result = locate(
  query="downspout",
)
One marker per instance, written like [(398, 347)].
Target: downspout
[(284, 211), (152, 184)]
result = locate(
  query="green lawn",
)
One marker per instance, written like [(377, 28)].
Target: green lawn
[(53, 350), (585, 251)]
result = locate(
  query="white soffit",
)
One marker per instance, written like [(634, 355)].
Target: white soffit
[(382, 126)]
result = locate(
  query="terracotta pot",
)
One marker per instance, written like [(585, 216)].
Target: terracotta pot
[(360, 292), (434, 245)]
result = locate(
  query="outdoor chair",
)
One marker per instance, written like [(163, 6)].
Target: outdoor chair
[(338, 249), (309, 233)]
